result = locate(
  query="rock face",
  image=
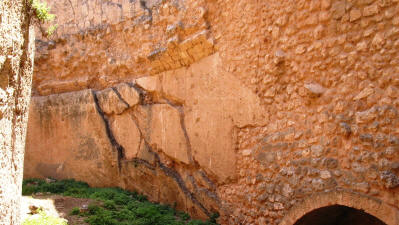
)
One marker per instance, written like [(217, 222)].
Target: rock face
[(16, 67), (247, 108), (140, 137)]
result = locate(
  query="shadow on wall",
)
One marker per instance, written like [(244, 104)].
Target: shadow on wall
[(338, 215)]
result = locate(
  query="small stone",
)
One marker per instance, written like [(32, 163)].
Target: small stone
[(316, 150), (266, 157), (318, 184), (345, 129), (262, 197), (271, 198), (315, 162), (325, 4), (330, 163), (330, 183), (358, 168), (325, 174), (370, 10), (378, 41), (279, 56), (261, 220), (315, 89), (337, 173), (361, 46), (280, 53), (300, 49), (393, 140), (390, 152), (395, 166), (366, 116), (366, 137), (305, 152), (84, 208), (355, 14), (278, 206), (364, 93), (338, 9), (287, 190), (389, 179), (363, 187), (246, 152), (312, 172), (270, 188)]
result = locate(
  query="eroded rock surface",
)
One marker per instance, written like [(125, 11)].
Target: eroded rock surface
[(16, 68)]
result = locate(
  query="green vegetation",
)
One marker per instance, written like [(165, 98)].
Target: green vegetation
[(118, 207), (42, 13), (75, 211), (42, 218)]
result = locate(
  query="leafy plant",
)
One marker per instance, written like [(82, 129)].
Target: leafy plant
[(118, 207), (75, 211), (41, 11), (51, 29)]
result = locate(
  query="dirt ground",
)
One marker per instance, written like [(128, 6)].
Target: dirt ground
[(56, 205)]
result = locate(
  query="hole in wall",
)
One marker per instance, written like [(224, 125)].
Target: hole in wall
[(338, 215)]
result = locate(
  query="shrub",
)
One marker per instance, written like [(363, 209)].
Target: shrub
[(75, 211), (119, 206), (110, 204), (41, 11)]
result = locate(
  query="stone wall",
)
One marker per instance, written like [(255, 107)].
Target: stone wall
[(248, 108), (16, 67)]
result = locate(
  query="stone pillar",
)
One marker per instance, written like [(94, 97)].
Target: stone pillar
[(16, 68)]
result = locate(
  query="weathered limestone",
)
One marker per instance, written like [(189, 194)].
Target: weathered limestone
[(16, 67), (167, 133), (248, 108), (72, 141), (107, 131), (217, 102), (127, 134)]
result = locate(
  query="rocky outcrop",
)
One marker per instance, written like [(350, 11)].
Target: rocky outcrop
[(146, 135), (248, 108), (16, 67)]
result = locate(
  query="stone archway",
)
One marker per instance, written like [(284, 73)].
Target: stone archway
[(338, 215), (316, 205)]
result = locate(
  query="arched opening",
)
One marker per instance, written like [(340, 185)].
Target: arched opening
[(338, 215)]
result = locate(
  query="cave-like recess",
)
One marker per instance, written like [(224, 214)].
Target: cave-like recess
[(338, 215)]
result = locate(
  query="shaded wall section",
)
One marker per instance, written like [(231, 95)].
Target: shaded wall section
[(16, 67)]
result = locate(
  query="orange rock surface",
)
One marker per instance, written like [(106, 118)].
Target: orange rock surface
[(246, 108)]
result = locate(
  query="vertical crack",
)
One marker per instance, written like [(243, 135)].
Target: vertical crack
[(179, 180), (119, 148), (170, 172), (183, 127), (146, 100), (120, 96)]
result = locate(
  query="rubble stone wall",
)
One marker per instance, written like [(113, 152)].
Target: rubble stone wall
[(247, 108)]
